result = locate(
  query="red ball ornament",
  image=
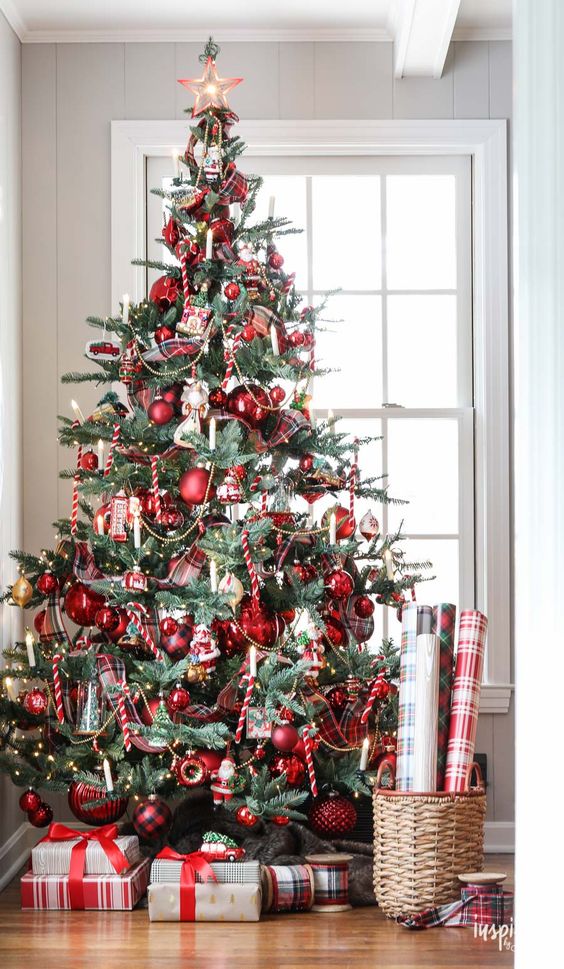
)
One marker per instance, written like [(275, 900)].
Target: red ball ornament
[(332, 815), (81, 795), (284, 736), (151, 818), (190, 771), (363, 607), (277, 394), (148, 710), (280, 819), (296, 339), (164, 292), (275, 260), (246, 817), (232, 291), (249, 405), (291, 766), (35, 702), (30, 800), (38, 621), (172, 518), (82, 604), (248, 333), (47, 583), (335, 632), (230, 639), (305, 571), (120, 630), (89, 461), (42, 816), (168, 626), (107, 619), (258, 623), (178, 699), (217, 398), (211, 758), (306, 463), (163, 333), (160, 411), (339, 584), (345, 525), (338, 699), (288, 615), (195, 487)]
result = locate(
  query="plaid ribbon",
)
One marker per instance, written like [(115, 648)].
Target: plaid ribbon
[(444, 621), (465, 703), (289, 423), (261, 319), (292, 889), (348, 730), (54, 631), (84, 565), (111, 673), (478, 905), (188, 567), (234, 188)]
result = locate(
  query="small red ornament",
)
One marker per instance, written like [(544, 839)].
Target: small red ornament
[(332, 815), (306, 463), (339, 584), (164, 292), (151, 818), (42, 816), (250, 404), (345, 525), (217, 398), (81, 795), (288, 615), (363, 607), (47, 583), (194, 486), (277, 394), (107, 619), (280, 819), (296, 339), (160, 411), (172, 518), (232, 291), (248, 333), (89, 461), (246, 817), (191, 771), (163, 333), (82, 603), (291, 766), (284, 736), (168, 626), (178, 699), (338, 699), (275, 260), (305, 571), (38, 621), (36, 702), (335, 632), (30, 800)]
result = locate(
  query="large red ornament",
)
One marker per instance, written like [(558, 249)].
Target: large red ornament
[(284, 736), (339, 584), (151, 818), (291, 766), (335, 632), (164, 292), (160, 411), (194, 486), (42, 816), (81, 795), (30, 800), (178, 699), (332, 815), (38, 621), (245, 816), (36, 702), (82, 603), (250, 404), (258, 623), (47, 583), (107, 619), (229, 638), (345, 525), (363, 607)]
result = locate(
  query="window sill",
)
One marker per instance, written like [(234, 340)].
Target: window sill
[(495, 699)]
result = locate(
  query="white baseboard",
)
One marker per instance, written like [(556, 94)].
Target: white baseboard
[(15, 852), (499, 837)]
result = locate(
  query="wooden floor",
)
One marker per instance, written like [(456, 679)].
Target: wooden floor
[(360, 939)]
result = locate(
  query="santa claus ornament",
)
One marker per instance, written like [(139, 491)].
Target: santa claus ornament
[(203, 649), (224, 780), (229, 491)]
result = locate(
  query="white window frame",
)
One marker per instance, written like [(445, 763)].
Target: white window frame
[(486, 143)]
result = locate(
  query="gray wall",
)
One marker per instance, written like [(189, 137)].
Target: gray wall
[(72, 91)]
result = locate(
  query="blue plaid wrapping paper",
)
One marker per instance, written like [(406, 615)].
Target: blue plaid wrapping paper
[(478, 905), (287, 888), (226, 872)]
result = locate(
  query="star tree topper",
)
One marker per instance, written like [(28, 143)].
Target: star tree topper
[(210, 89)]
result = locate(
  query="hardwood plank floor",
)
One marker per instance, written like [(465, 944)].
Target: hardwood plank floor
[(360, 939)]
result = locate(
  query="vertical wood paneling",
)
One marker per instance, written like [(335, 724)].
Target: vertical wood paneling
[(504, 765), (150, 81), (353, 80), (471, 80), (501, 79), (425, 97), (256, 96), (485, 745), (296, 81)]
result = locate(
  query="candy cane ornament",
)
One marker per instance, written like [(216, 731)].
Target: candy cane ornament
[(58, 688), (110, 458), (255, 588), (123, 717), (75, 483), (184, 271), (155, 483), (309, 761), (371, 698), (145, 635), (243, 715), (352, 482), (230, 360)]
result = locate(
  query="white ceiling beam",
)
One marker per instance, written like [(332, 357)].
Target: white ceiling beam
[(422, 31)]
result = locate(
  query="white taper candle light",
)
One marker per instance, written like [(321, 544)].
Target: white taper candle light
[(77, 412), (108, 775), (271, 204), (364, 754), (213, 429), (274, 341), (213, 575), (209, 244), (125, 313), (29, 647), (333, 529), (101, 454), (11, 689), (389, 563), (252, 661)]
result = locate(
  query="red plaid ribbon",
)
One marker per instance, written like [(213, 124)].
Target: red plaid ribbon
[(105, 836), (84, 565), (53, 626), (111, 673), (188, 567), (192, 863), (478, 905), (289, 423), (234, 188), (292, 889)]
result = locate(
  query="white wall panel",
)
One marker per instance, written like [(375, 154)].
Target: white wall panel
[(471, 79)]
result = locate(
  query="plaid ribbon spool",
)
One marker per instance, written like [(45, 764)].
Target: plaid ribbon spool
[(331, 882), (84, 564), (444, 621), (111, 674), (465, 703), (289, 888), (478, 905)]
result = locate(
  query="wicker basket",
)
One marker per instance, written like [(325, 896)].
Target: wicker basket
[(422, 841)]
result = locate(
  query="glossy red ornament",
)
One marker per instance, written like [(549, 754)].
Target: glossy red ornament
[(217, 398), (284, 736), (81, 795), (296, 339), (168, 626), (107, 619), (229, 638), (245, 816), (258, 623), (35, 702), (363, 607), (190, 771), (277, 394), (151, 818), (288, 615), (30, 800), (160, 411), (121, 628), (42, 816), (82, 603), (89, 461), (178, 699), (339, 584), (338, 698), (291, 766), (38, 621), (275, 260), (306, 463), (211, 758), (280, 819), (163, 333), (47, 583), (249, 405), (305, 571), (232, 290), (164, 292), (194, 486), (332, 815), (335, 632), (147, 710), (345, 525), (172, 518), (248, 333)]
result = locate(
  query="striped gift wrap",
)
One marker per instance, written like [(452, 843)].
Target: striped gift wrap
[(101, 892)]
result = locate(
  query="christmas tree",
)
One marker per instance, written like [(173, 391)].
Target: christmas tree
[(195, 624)]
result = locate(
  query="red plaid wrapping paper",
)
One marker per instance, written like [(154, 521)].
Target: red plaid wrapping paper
[(111, 892), (444, 622), (465, 698), (478, 905), (287, 888)]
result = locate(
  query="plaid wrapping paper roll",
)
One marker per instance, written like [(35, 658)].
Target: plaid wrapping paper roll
[(54, 858), (443, 625), (214, 902), (287, 888), (406, 711), (465, 698), (226, 872), (478, 905), (101, 892)]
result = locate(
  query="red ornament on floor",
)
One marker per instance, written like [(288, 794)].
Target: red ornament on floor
[(280, 819), (332, 815), (151, 818)]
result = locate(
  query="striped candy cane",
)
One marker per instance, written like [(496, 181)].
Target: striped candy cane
[(244, 708), (309, 760), (255, 588), (155, 481), (58, 688), (75, 483), (230, 360), (110, 458), (352, 481), (264, 502), (123, 717), (370, 702), (184, 271), (145, 635)]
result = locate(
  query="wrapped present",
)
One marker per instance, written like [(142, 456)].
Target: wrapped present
[(111, 892), (214, 902), (287, 888), (97, 852), (226, 872)]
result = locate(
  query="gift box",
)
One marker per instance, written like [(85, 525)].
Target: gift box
[(113, 892), (213, 902), (226, 872), (53, 854)]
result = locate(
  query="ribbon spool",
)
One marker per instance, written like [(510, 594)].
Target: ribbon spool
[(287, 888), (331, 882)]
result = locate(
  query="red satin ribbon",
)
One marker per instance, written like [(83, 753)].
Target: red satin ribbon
[(105, 836), (192, 863)]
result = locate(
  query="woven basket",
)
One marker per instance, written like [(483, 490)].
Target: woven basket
[(422, 841)]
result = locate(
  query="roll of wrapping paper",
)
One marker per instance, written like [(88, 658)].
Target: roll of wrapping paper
[(424, 620), (444, 622), (465, 703), (426, 712), (406, 710)]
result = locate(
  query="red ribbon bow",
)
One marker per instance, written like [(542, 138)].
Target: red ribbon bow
[(192, 863), (105, 836)]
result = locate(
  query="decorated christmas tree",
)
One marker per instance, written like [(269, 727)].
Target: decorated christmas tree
[(197, 622)]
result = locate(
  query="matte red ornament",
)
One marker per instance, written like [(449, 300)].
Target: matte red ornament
[(151, 818), (168, 626), (82, 603), (249, 405), (47, 583), (245, 816), (35, 701), (277, 394), (38, 621), (332, 815), (160, 411), (178, 699), (306, 463), (164, 292), (89, 461), (339, 584), (30, 800), (276, 261), (81, 795), (107, 619), (284, 736), (217, 398), (248, 333), (193, 486), (232, 291), (280, 819), (42, 816), (345, 525), (291, 766), (258, 623), (163, 333), (363, 607)]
